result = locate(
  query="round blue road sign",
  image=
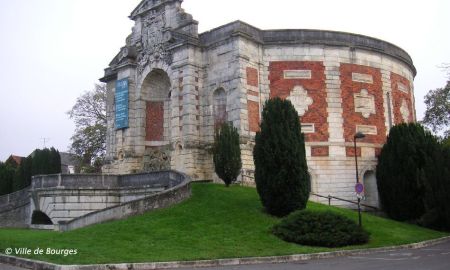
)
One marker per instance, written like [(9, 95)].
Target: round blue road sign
[(359, 188)]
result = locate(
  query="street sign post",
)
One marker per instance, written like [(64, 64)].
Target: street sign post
[(359, 188)]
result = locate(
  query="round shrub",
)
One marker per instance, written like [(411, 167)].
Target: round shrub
[(324, 229)]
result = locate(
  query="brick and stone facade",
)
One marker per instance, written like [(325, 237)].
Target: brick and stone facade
[(183, 85)]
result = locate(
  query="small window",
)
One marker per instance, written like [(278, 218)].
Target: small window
[(71, 169)]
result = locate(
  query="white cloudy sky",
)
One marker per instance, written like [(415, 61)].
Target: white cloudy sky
[(51, 51)]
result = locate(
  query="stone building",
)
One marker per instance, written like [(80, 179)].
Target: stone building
[(169, 87)]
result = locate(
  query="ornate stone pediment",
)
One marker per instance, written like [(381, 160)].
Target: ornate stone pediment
[(152, 45), (159, 25), (149, 5)]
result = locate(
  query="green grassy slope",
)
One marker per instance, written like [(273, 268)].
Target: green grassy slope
[(217, 222)]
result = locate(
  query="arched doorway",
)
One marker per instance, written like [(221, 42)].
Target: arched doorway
[(370, 188), (156, 94)]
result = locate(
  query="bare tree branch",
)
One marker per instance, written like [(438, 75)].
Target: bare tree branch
[(89, 115)]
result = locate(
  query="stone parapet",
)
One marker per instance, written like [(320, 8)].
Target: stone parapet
[(65, 197)]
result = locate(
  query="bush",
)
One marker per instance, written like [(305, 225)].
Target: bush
[(281, 172), (6, 178), (437, 186), (22, 178), (324, 229), (45, 161), (401, 175), (227, 153)]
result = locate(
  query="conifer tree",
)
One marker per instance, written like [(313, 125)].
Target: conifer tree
[(227, 153), (281, 171), (41, 161), (6, 178), (437, 195), (401, 175)]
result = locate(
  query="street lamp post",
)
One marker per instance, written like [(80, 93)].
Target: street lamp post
[(358, 135)]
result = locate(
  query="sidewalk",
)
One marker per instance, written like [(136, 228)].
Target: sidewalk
[(33, 264)]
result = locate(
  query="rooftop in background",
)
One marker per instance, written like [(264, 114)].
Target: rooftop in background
[(14, 160)]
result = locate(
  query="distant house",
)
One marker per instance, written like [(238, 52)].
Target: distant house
[(14, 160), (69, 163)]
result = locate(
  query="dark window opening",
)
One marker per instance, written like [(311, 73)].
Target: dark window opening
[(40, 218)]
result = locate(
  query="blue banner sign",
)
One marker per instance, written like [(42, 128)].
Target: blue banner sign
[(121, 103)]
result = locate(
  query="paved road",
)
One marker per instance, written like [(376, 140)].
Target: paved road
[(431, 258), (9, 267)]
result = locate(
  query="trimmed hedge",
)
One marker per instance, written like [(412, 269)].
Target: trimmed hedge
[(324, 229)]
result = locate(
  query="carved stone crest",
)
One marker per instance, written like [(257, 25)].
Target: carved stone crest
[(300, 99), (404, 111), (156, 159), (364, 103), (153, 40)]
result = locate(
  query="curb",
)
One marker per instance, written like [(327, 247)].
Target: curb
[(40, 265)]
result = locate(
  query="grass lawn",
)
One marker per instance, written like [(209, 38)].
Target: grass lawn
[(217, 222)]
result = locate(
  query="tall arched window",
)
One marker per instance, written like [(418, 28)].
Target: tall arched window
[(220, 107)]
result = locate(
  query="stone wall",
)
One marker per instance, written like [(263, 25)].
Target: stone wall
[(331, 161), (340, 83), (15, 209), (67, 197), (135, 207)]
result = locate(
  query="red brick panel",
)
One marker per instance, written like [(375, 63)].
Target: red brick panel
[(253, 115), (398, 96), (352, 118), (319, 151), (317, 111), (220, 115), (219, 107), (252, 76), (154, 129)]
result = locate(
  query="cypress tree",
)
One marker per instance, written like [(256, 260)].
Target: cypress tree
[(281, 171), (437, 195), (6, 178), (401, 175), (227, 153), (41, 161), (22, 177), (55, 161)]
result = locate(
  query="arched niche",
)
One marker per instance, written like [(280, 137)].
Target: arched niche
[(219, 107), (155, 91), (313, 181), (370, 188), (179, 158)]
